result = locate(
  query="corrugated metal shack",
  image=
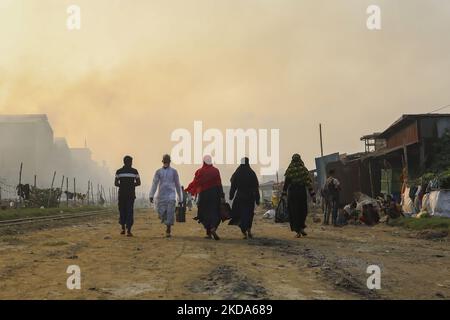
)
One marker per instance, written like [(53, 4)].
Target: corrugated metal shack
[(405, 145)]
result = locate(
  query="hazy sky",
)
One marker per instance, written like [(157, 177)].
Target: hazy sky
[(138, 69)]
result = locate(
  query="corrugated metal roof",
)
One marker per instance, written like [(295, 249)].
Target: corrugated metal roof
[(407, 118), (383, 152)]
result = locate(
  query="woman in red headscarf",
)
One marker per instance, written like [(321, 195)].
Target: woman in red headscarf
[(208, 186)]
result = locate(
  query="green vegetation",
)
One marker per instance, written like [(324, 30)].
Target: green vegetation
[(438, 167), (9, 214), (433, 223), (440, 160)]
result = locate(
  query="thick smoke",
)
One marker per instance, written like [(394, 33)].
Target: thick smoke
[(135, 73)]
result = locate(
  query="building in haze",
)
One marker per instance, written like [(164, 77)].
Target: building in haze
[(29, 139)]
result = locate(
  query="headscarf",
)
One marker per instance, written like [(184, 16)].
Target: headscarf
[(297, 173), (244, 177), (207, 159), (205, 178)]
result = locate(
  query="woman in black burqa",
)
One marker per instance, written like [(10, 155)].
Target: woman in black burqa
[(245, 192)]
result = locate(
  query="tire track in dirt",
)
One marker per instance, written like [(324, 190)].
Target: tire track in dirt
[(229, 283), (226, 279), (169, 281), (331, 268)]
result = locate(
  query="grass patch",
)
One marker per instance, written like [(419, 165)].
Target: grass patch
[(10, 214), (432, 223)]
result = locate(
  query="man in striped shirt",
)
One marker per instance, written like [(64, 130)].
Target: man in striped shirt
[(127, 179)]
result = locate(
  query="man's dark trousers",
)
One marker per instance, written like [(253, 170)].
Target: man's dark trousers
[(126, 210)]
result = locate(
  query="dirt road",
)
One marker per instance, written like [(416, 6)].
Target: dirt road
[(330, 263)]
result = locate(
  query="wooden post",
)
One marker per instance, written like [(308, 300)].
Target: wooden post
[(371, 180), (51, 189), (20, 182), (88, 190), (74, 192), (62, 186), (321, 142), (67, 192), (35, 178), (405, 154), (92, 193), (20, 173)]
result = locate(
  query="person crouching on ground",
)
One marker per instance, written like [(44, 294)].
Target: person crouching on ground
[(296, 183), (167, 182), (244, 184), (208, 186), (127, 179), (349, 213)]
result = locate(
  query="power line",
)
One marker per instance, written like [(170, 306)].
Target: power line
[(439, 109)]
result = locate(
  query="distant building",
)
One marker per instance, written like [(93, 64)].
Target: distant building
[(373, 142), (29, 139), (62, 156), (321, 167), (411, 138), (266, 189)]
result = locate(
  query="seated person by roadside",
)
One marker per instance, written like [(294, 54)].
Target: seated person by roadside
[(370, 215), (348, 213), (392, 209)]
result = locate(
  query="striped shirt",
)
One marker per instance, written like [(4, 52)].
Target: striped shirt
[(127, 177)]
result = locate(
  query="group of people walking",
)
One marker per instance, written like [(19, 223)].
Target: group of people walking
[(207, 188)]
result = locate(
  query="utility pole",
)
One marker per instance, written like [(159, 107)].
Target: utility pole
[(321, 142)]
